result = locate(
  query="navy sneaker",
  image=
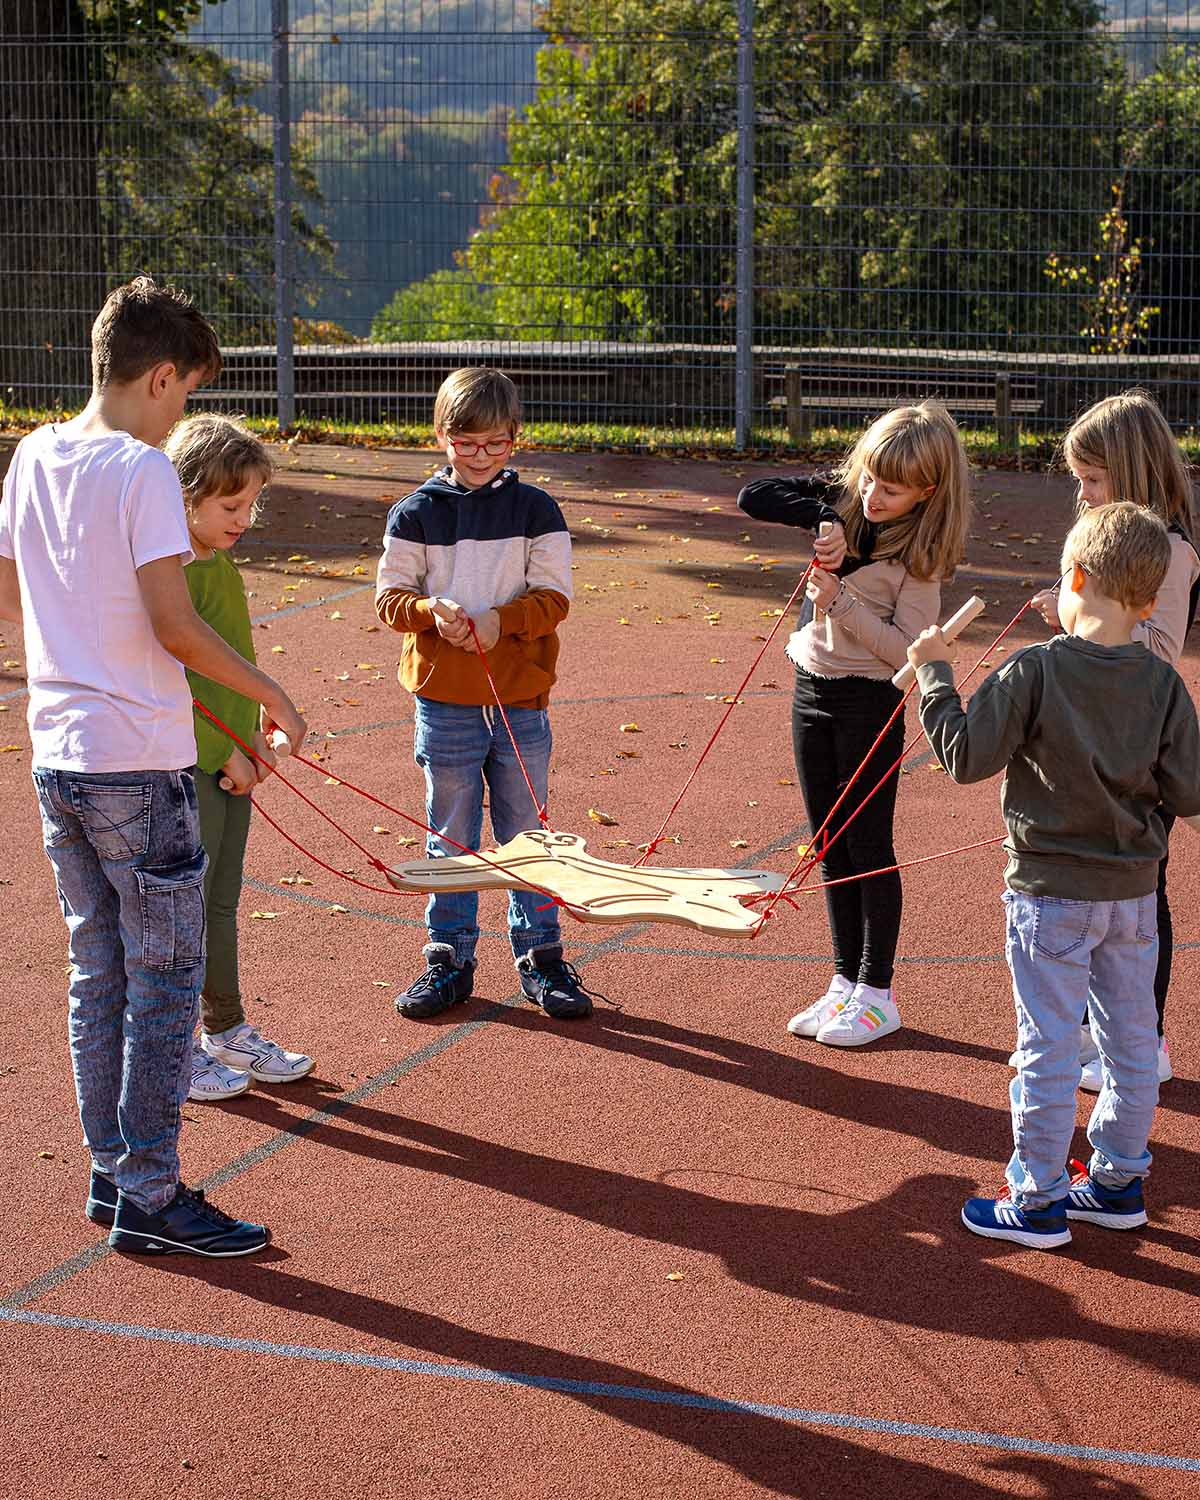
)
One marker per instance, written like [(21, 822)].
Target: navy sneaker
[(548, 981), (443, 984), (999, 1218), (188, 1225), (102, 1198), (1111, 1208)]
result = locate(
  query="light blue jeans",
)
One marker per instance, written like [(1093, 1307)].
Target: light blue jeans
[(129, 866), (1066, 956), (460, 747)]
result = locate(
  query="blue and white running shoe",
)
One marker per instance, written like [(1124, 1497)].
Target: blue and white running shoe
[(999, 1218), (1111, 1208)]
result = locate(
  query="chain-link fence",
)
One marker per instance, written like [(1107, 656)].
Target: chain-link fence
[(696, 220)]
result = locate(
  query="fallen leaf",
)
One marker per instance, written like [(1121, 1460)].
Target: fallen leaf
[(337, 615), (674, 1275), (263, 916), (278, 650), (405, 841), (7, 749), (337, 908), (739, 843), (379, 828), (601, 817), (46, 1155), (630, 729)]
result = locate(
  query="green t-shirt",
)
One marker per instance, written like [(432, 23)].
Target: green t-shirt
[(220, 599)]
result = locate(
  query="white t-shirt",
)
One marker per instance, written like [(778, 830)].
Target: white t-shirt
[(79, 517)]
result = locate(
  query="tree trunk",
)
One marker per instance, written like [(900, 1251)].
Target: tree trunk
[(50, 254)]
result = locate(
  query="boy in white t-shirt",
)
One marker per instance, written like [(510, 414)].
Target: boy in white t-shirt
[(93, 540)]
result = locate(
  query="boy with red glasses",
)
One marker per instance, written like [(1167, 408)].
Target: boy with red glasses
[(476, 547)]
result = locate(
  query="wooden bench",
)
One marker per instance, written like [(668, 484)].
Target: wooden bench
[(811, 391)]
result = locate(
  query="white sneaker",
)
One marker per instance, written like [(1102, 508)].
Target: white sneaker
[(1088, 1051), (870, 1014), (809, 1021), (1092, 1076), (212, 1080), (265, 1061)]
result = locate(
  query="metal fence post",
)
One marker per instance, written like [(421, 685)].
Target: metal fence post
[(285, 353), (744, 357)]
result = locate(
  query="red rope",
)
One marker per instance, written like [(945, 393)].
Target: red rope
[(541, 806), (906, 864), (372, 859), (806, 864), (657, 839)]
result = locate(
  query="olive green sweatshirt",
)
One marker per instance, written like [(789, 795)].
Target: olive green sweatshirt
[(220, 598), (1092, 739)]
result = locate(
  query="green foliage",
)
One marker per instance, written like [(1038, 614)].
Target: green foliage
[(887, 142), (1109, 285), (185, 169), (445, 305)]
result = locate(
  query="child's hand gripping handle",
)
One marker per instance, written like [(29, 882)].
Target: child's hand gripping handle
[(953, 627)]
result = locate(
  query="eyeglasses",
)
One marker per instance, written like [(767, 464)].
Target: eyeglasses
[(495, 448)]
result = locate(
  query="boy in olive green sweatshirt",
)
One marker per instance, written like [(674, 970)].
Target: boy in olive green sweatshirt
[(222, 468), (1096, 737)]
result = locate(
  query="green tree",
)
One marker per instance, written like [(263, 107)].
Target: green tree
[(1160, 162), (185, 171), (914, 165)]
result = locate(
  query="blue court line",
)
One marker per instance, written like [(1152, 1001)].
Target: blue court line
[(845, 1421)]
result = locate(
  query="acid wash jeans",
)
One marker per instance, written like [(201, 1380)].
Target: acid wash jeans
[(129, 866), (1068, 957), (459, 747)]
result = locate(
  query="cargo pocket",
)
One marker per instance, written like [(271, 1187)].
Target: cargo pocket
[(116, 819), (172, 900)]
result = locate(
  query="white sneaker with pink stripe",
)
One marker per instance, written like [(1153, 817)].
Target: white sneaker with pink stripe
[(870, 1014)]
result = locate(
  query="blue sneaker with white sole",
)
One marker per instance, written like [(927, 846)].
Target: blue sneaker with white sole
[(999, 1218), (1111, 1208)]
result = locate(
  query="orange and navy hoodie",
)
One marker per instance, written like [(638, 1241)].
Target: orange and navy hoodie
[(504, 546)]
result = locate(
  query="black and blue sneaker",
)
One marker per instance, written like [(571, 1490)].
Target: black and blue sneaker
[(102, 1198), (187, 1225), (999, 1218), (1111, 1208), (554, 985), (443, 984)]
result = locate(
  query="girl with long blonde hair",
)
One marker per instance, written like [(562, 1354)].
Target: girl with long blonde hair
[(899, 509)]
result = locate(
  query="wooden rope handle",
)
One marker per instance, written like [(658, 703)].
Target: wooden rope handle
[(280, 743), (953, 628)]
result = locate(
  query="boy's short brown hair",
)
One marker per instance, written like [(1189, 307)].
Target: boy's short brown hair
[(1124, 547), (215, 455), (476, 399), (142, 325)]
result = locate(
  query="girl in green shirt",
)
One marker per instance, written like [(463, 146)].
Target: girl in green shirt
[(223, 469)]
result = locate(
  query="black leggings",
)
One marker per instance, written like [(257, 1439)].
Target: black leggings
[(1166, 935), (834, 723)]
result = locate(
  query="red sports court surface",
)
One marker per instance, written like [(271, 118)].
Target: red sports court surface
[(670, 1251)]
